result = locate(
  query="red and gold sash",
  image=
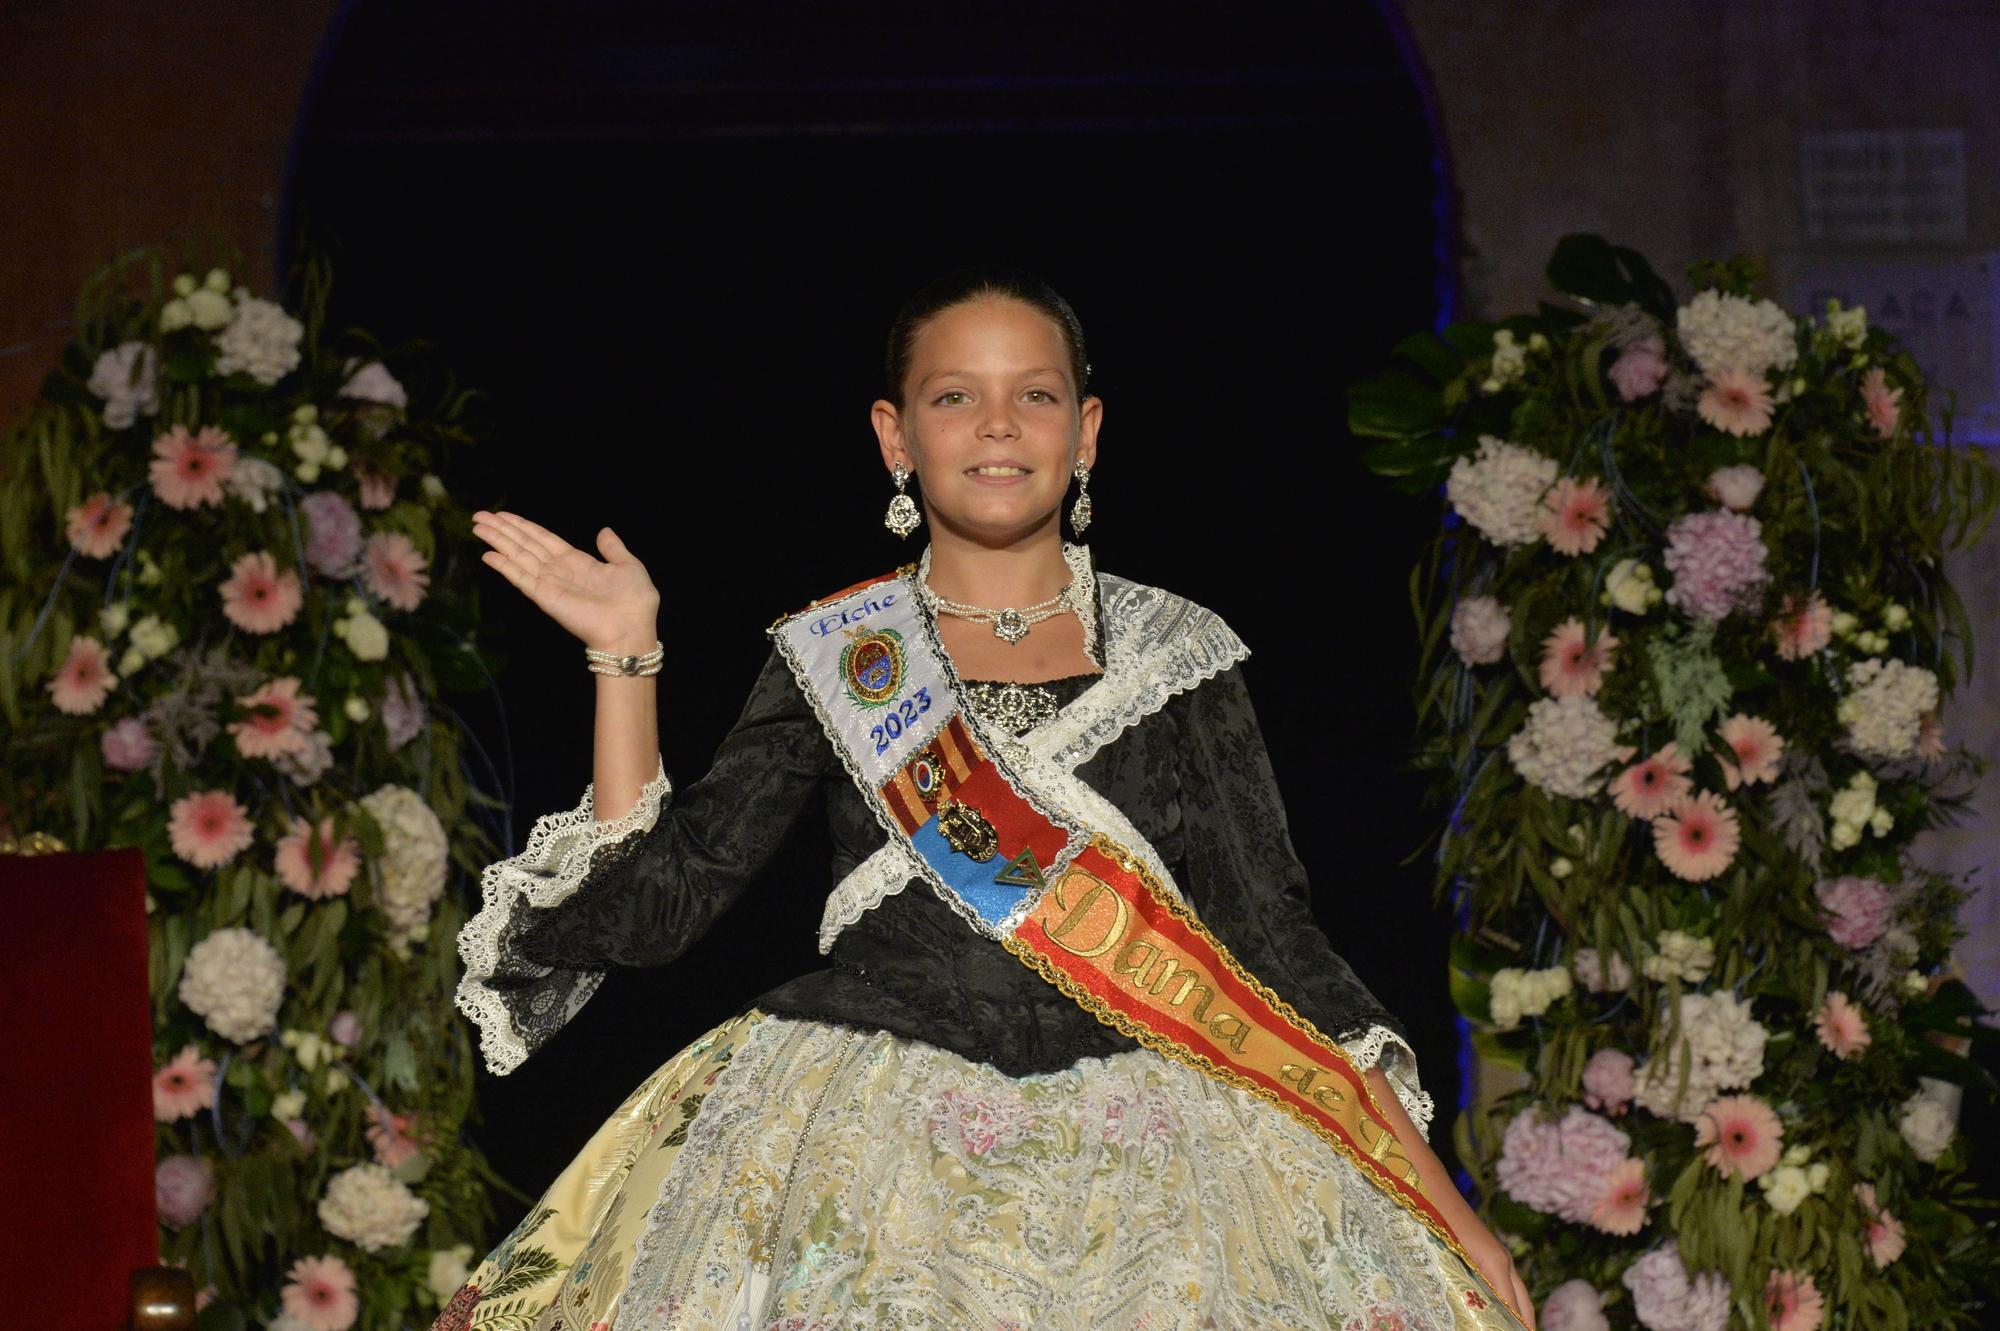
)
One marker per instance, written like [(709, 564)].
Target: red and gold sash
[(1076, 906)]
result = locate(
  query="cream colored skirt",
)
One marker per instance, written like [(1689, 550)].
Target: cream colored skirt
[(788, 1175)]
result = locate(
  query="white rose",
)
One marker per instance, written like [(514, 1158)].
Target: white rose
[(448, 1270), (364, 636), (288, 1104), (208, 310), (1927, 1124), (133, 661), (1681, 956), (154, 636), (356, 708), (1630, 586), (1785, 1187), (175, 314), (114, 617)]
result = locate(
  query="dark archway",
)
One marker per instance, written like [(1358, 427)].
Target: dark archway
[(669, 238)]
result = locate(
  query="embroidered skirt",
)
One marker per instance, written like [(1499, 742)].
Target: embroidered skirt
[(781, 1174)]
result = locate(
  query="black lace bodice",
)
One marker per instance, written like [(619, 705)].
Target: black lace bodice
[(1193, 777)]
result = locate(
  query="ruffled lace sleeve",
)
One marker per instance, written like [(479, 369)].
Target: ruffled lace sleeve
[(516, 1003), (638, 890), (1251, 889)]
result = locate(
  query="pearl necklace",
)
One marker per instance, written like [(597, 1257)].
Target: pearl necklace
[(1009, 625)]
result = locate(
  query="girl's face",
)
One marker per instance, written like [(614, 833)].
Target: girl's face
[(990, 423)]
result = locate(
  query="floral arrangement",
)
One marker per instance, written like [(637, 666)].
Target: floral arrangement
[(1685, 645), (227, 612)]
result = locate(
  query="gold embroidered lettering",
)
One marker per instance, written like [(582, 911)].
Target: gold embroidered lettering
[(1075, 913), (1300, 1078), (1233, 1033), (1133, 959)]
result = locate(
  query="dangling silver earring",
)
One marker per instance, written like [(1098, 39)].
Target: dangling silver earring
[(902, 517), (1079, 512)]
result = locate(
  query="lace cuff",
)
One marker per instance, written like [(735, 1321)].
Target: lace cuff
[(518, 1004), (1380, 1045)]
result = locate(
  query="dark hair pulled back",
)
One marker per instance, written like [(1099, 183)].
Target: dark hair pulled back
[(973, 283)]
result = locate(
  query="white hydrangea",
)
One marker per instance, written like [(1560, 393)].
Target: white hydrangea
[(127, 378), (1680, 956), (413, 862), (261, 341), (1500, 490), (1725, 1048), (1927, 1124), (1885, 706), (1608, 975), (1479, 627), (1722, 331), (1517, 993), (368, 1206), (1563, 744), (234, 981)]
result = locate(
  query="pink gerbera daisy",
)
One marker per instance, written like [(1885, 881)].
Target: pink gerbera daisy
[(1757, 746), (1575, 515), (98, 525), (84, 679), (279, 720), (1696, 838), (1622, 1208), (1793, 1302), (313, 864), (1572, 665), (188, 470), (1881, 401), (259, 597), (1804, 629), (1884, 1232), (1742, 1134), (320, 1291), (183, 1086), (1842, 1027), (396, 570), (1736, 402), (392, 1136), (1649, 788), (208, 828)]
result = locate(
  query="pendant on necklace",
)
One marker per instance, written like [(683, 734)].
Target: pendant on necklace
[(1009, 626)]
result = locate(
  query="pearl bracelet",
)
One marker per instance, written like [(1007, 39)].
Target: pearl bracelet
[(613, 663)]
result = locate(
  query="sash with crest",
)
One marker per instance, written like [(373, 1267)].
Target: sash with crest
[(1081, 909)]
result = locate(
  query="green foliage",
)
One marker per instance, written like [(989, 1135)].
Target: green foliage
[(182, 667), (1854, 521)]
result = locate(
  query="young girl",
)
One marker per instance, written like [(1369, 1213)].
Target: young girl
[(1082, 1058)]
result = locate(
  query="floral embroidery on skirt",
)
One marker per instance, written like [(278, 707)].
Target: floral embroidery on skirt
[(781, 1174)]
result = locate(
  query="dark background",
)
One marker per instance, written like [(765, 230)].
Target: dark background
[(668, 240)]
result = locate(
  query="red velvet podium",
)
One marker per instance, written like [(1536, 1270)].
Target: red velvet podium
[(76, 1107)]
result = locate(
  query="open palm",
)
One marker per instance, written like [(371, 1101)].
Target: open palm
[(605, 602)]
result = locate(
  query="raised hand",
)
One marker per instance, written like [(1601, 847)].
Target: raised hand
[(610, 603)]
